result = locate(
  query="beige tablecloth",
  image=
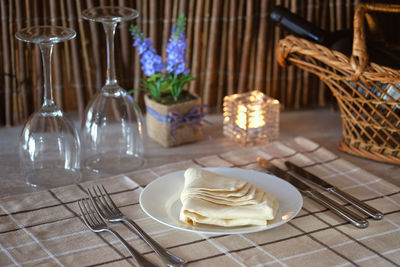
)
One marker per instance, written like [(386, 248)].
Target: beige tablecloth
[(45, 227)]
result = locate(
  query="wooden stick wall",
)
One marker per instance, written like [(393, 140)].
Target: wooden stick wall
[(231, 47)]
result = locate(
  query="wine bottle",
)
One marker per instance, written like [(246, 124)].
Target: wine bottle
[(341, 41)]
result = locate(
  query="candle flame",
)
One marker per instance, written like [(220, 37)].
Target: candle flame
[(250, 117)]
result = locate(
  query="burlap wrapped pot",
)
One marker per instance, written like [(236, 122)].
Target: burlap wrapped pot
[(166, 132)]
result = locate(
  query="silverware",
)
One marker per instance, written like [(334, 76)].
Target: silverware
[(363, 207), (97, 224), (107, 209), (343, 212)]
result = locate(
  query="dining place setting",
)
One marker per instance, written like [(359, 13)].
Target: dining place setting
[(236, 187), (299, 223)]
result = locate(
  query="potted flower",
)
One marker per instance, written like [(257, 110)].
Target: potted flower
[(174, 115)]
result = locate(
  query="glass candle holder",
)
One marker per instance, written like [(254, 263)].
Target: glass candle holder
[(251, 118)]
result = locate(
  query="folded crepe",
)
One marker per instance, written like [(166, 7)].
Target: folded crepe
[(211, 198)]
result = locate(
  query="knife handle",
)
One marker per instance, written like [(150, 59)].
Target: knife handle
[(343, 212), (363, 207)]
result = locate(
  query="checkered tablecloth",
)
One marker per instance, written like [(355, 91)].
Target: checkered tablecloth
[(44, 228)]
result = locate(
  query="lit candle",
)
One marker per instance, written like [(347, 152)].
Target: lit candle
[(251, 117)]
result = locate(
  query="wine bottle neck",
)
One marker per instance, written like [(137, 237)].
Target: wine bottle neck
[(299, 26)]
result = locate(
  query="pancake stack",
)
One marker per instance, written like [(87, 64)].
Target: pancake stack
[(211, 198)]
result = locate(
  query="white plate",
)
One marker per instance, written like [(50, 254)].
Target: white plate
[(160, 200)]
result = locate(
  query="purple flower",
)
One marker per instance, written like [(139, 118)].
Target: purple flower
[(176, 75), (144, 45), (151, 62), (176, 49)]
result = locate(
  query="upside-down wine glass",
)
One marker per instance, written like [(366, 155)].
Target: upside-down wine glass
[(112, 134), (49, 145)]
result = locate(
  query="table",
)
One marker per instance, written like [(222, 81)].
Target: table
[(45, 227), (321, 125)]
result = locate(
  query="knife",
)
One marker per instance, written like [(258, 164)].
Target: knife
[(343, 212), (363, 207)]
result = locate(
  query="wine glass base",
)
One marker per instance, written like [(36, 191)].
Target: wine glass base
[(113, 163), (52, 177), (109, 14), (45, 34)]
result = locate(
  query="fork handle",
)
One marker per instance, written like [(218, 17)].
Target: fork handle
[(142, 261), (167, 257)]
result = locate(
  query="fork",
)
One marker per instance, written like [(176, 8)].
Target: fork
[(96, 224), (107, 209)]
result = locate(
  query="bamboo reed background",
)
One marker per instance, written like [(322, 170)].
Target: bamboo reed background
[(231, 48)]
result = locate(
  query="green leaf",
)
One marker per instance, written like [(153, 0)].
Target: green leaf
[(135, 30), (176, 88), (154, 77), (154, 91), (180, 24), (166, 86)]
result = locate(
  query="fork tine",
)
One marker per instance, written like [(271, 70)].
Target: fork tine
[(94, 198), (104, 201), (89, 213), (110, 201), (94, 213), (84, 213), (99, 195)]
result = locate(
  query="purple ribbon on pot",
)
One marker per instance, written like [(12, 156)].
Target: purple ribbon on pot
[(193, 118)]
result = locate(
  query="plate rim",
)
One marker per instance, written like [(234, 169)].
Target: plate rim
[(226, 230)]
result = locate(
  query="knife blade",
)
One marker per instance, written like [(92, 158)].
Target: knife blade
[(335, 207), (363, 207)]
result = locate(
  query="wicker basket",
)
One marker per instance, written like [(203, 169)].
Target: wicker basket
[(368, 99)]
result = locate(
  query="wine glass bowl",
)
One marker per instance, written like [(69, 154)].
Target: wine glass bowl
[(49, 150), (49, 145), (112, 127), (112, 133)]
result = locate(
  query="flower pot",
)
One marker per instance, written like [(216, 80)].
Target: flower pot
[(172, 125)]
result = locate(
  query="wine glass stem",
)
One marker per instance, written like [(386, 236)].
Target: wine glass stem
[(109, 28), (46, 50)]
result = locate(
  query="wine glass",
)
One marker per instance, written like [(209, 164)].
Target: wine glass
[(112, 127), (49, 145)]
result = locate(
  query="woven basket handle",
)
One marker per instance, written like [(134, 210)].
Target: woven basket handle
[(359, 57)]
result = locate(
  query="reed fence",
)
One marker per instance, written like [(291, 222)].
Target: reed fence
[(231, 48)]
